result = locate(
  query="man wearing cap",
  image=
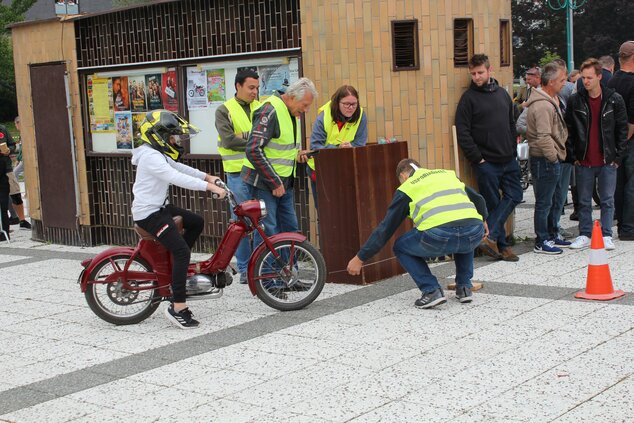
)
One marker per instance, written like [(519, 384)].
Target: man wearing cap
[(623, 83), (448, 217), (533, 81)]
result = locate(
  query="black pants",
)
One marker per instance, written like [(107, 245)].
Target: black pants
[(4, 200), (162, 226)]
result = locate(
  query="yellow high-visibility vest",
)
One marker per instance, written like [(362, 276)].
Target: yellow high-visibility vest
[(232, 159), (437, 197), (334, 135), (282, 152)]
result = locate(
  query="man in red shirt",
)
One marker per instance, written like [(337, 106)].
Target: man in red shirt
[(597, 127)]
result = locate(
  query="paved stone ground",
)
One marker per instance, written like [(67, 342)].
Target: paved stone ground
[(524, 350)]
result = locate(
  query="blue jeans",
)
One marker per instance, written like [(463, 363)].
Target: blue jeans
[(242, 192), (606, 184), (546, 177), (561, 193), (412, 248), (493, 178), (281, 215), (624, 194)]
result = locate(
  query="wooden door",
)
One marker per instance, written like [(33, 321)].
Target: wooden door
[(53, 142)]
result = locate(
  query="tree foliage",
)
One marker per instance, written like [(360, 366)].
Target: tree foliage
[(8, 15), (600, 26), (548, 57)]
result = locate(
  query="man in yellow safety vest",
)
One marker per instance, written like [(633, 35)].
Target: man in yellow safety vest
[(272, 151), (233, 122), (448, 217)]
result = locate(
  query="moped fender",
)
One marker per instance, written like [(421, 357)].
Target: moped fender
[(110, 252), (284, 236)]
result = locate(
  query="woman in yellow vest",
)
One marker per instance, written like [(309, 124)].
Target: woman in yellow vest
[(448, 217), (341, 123)]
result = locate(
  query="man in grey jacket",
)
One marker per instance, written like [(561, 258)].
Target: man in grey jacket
[(546, 134)]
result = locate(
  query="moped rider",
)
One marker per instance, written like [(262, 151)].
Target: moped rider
[(155, 157)]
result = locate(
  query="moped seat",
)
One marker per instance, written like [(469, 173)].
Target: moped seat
[(143, 234)]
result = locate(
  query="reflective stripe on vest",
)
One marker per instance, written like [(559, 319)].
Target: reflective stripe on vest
[(334, 136), (281, 152), (232, 159), (437, 197)]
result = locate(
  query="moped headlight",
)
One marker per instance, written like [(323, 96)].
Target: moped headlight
[(263, 210)]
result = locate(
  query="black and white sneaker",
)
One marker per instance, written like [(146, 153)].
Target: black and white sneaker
[(25, 224), (183, 319), (463, 294), (431, 299)]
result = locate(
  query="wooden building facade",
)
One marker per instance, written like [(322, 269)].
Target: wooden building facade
[(406, 58)]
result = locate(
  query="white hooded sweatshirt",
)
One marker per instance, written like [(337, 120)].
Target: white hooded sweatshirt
[(155, 172)]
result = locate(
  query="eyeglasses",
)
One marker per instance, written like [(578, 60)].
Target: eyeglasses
[(349, 105)]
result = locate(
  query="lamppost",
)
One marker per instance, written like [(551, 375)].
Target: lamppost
[(569, 6)]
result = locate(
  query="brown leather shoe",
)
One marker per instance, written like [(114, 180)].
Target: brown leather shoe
[(490, 248), (509, 255)]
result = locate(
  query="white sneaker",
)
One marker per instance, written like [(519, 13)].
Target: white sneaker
[(582, 241), (608, 243)]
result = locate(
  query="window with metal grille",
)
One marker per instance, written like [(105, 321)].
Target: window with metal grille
[(462, 41), (405, 45), (505, 42)]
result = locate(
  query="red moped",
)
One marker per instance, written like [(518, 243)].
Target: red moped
[(124, 285)]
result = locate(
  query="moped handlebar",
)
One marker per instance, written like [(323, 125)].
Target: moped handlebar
[(229, 194)]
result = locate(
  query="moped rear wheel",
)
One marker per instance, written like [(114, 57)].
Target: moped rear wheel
[(114, 304), (294, 281)]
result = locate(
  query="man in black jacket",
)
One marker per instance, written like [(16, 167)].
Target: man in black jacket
[(597, 129), (486, 133), (623, 83)]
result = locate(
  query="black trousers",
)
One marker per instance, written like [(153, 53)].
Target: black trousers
[(162, 226), (4, 200)]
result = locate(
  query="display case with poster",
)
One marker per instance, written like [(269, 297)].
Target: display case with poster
[(279, 72), (117, 105), (119, 101)]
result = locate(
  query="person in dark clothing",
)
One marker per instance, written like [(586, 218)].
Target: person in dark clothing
[(5, 167), (487, 136), (597, 127), (623, 83), (449, 218)]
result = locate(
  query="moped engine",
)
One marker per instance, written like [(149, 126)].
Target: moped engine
[(207, 285)]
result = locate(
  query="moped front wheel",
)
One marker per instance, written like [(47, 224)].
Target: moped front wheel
[(293, 280), (115, 304)]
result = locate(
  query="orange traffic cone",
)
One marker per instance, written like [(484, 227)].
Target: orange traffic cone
[(599, 283)]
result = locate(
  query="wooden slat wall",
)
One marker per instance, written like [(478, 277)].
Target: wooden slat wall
[(111, 180), (186, 29)]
